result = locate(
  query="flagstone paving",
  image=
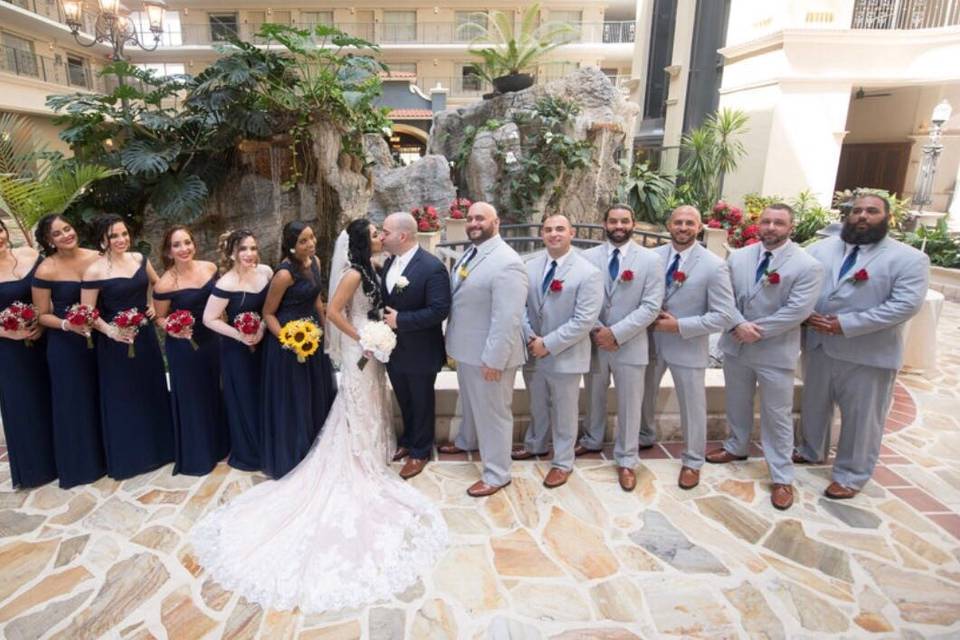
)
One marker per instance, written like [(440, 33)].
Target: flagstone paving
[(113, 559)]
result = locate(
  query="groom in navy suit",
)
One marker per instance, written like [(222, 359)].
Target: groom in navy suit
[(416, 291)]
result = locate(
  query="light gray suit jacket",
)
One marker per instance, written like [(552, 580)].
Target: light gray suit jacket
[(630, 306), (563, 318), (702, 304), (778, 309), (485, 326), (872, 312)]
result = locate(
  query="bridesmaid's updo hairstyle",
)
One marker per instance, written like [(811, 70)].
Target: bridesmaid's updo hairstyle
[(288, 243), (228, 244), (166, 248), (360, 256), (42, 233), (101, 230)]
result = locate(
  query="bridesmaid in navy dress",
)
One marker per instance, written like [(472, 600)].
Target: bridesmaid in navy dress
[(296, 396), (241, 288), (200, 434), (134, 401), (74, 385), (24, 381)]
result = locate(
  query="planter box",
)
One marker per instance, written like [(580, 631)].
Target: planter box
[(716, 241), (456, 229), (429, 241)]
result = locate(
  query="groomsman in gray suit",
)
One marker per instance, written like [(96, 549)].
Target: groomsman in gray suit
[(633, 293), (854, 341), (563, 305), (775, 284), (485, 337), (698, 301)]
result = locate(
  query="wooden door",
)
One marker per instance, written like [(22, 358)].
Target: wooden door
[(877, 165)]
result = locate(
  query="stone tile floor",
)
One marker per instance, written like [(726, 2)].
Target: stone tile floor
[(584, 561)]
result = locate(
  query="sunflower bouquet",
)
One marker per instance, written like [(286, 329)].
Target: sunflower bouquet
[(302, 337)]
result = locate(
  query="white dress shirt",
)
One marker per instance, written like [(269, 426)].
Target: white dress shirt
[(397, 266)]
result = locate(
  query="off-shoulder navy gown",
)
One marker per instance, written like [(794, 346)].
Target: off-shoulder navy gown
[(241, 382), (200, 435), (134, 401), (75, 393), (25, 399), (296, 396)]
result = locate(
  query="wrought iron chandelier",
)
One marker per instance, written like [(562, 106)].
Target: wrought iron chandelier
[(113, 26)]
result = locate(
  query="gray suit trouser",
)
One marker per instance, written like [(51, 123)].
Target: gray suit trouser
[(628, 383), (776, 413), (863, 394), (554, 410), (690, 383), (488, 405)]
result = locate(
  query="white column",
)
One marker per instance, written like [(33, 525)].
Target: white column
[(677, 89)]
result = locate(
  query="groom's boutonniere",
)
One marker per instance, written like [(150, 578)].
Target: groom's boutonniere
[(462, 272), (859, 276), (627, 276), (679, 277), (402, 283), (556, 286), (771, 277)]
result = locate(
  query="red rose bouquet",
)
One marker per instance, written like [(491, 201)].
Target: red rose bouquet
[(130, 321), (458, 210), (19, 316), (178, 322), (248, 324), (81, 315), (427, 219)]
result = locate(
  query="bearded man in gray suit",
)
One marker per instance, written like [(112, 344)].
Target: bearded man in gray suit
[(485, 337), (563, 305), (775, 284), (854, 341), (633, 293), (698, 301)]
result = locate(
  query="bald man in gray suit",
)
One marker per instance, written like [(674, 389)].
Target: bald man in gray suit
[(854, 341), (485, 337), (775, 284)]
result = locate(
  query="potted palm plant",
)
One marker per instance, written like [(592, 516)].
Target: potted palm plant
[(506, 51)]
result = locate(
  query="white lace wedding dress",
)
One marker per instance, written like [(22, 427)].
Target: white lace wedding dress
[(341, 530)]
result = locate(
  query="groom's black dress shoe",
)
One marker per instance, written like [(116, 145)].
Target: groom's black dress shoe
[(401, 453)]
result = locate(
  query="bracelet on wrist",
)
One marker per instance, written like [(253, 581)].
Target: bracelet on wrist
[(63, 325)]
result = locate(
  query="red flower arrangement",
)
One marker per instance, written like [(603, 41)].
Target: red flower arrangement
[(556, 286), (248, 324), (178, 322), (80, 315), (741, 231), (627, 276), (458, 210), (18, 317), (130, 321), (860, 276), (427, 219)]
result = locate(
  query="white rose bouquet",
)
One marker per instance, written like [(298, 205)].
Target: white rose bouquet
[(378, 339)]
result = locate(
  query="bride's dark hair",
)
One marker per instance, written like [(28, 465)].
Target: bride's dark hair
[(360, 257)]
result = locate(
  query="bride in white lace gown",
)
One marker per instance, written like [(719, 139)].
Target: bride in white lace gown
[(341, 530)]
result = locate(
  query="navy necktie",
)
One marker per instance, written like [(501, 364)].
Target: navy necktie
[(614, 266), (470, 254), (848, 262), (762, 267), (549, 277), (673, 268)]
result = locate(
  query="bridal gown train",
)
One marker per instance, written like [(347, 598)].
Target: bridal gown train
[(341, 530)]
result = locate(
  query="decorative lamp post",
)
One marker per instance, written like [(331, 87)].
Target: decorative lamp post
[(923, 188), (113, 26)]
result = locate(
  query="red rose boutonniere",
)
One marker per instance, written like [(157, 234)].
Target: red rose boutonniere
[(627, 276), (771, 277), (859, 276), (679, 277), (556, 286)]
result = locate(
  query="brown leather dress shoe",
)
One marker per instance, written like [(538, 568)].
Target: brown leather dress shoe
[(556, 477), (449, 447), (581, 450), (839, 492), (781, 496), (401, 453), (722, 456), (412, 467), (627, 478), (480, 489), (689, 478), (521, 453), (799, 459)]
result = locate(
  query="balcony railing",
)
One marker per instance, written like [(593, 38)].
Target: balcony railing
[(474, 86), (30, 65), (51, 9), (400, 33), (905, 14)]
